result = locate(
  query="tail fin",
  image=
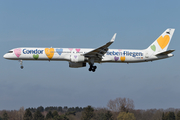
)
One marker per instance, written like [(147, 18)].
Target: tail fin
[(161, 44)]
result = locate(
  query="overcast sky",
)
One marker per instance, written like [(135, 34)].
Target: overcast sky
[(88, 24)]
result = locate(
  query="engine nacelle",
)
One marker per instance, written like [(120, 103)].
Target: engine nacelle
[(77, 58), (77, 65)]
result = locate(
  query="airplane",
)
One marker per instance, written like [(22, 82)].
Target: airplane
[(78, 57)]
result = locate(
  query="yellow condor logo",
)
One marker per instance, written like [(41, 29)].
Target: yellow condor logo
[(49, 52), (163, 41)]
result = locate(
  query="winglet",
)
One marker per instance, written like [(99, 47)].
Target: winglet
[(113, 38), (100, 51)]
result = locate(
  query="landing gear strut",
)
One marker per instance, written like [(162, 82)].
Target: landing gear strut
[(92, 68), (21, 63)]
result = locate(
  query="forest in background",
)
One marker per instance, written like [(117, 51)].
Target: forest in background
[(117, 109)]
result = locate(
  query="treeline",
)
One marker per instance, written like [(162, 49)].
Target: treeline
[(88, 113), (118, 109), (58, 109)]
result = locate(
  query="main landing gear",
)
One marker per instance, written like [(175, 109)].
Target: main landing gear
[(92, 68), (21, 63), (91, 63)]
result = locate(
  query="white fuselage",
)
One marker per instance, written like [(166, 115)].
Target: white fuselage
[(71, 54)]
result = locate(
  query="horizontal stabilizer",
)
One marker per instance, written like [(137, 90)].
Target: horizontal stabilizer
[(165, 52)]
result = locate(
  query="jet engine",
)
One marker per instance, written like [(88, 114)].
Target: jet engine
[(77, 65)]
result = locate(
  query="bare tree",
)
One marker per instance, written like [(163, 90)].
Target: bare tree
[(21, 113), (120, 105)]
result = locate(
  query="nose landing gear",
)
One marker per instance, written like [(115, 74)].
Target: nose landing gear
[(21, 63)]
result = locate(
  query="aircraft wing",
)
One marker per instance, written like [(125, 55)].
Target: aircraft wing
[(99, 52)]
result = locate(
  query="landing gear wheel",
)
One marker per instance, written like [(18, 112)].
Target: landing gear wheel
[(93, 68), (22, 67)]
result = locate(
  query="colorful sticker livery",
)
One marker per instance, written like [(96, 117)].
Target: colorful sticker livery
[(17, 52), (49, 52), (77, 50), (70, 49), (116, 58), (79, 57), (153, 47), (59, 51), (36, 56), (163, 41), (123, 58)]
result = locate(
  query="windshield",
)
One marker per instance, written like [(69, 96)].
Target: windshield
[(10, 52)]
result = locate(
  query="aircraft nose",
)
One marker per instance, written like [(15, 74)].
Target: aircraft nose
[(5, 56)]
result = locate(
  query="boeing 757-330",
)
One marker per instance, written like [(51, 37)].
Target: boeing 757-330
[(78, 57)]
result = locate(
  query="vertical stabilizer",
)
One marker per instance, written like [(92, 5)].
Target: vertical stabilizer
[(160, 44)]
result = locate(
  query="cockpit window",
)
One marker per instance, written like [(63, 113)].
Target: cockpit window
[(10, 52)]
